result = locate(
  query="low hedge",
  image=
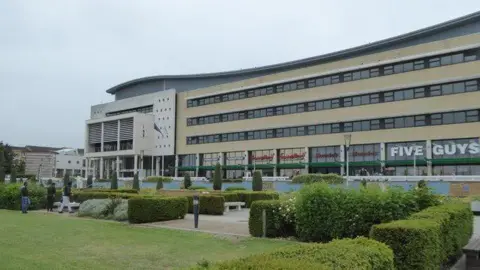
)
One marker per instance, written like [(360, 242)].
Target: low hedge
[(250, 196), (198, 188), (133, 191), (345, 254), (428, 239), (235, 188), (276, 224), (143, 210), (81, 196), (330, 178), (208, 204)]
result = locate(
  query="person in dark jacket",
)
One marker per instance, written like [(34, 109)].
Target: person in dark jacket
[(25, 199), (50, 197), (67, 192)]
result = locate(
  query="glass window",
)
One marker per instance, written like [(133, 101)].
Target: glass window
[(335, 103), (434, 62), (357, 126), (319, 105), (399, 122), (357, 101), (389, 123), (447, 89), (447, 118), (471, 86), (409, 121), (335, 79), (365, 74), (472, 116), (419, 65), (319, 129), (408, 94), (408, 66), (388, 96), (327, 104), (365, 125), (398, 95), (420, 121), (365, 99), (347, 102), (457, 58), (374, 72), (387, 70), (311, 106), (374, 124), (347, 77), (356, 75), (459, 117), (436, 119), (398, 68), (446, 60), (347, 127), (419, 92), (311, 130), (335, 128), (435, 90)]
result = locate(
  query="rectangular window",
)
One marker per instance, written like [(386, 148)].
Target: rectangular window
[(279, 89), (388, 96), (347, 77), (365, 74), (365, 99), (366, 125), (357, 101), (459, 87), (420, 121), (251, 93), (189, 103), (472, 116), (399, 122), (311, 130), (446, 60), (375, 124), (318, 105), (327, 128), (374, 72), (327, 80), (459, 117), (357, 126), (335, 128), (300, 108), (300, 131), (348, 127), (457, 58), (436, 119), (417, 65), (269, 90), (311, 83), (389, 123), (311, 106), (471, 86), (407, 67), (356, 75), (269, 133), (419, 92), (335, 79), (447, 118), (398, 95), (279, 133), (387, 70), (374, 98), (241, 136), (319, 129), (347, 102), (434, 62), (279, 111), (250, 135), (301, 85), (270, 112), (435, 90), (242, 95), (447, 89), (335, 103), (319, 82), (327, 104), (398, 68), (409, 121)]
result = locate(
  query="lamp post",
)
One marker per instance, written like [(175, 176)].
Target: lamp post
[(347, 138)]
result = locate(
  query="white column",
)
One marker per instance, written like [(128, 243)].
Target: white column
[(306, 159), (95, 169), (157, 166), (163, 165), (275, 160), (108, 168), (197, 163), (383, 156), (221, 159), (176, 165), (64, 172), (117, 168), (118, 136), (135, 164), (343, 169), (429, 156), (246, 161), (101, 166), (101, 141), (87, 167)]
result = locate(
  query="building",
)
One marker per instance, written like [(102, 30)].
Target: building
[(40, 160), (70, 161), (408, 104)]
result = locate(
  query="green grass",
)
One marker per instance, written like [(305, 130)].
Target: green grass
[(50, 241)]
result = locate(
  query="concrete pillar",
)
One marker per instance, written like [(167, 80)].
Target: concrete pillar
[(163, 165), (197, 163), (275, 160), (306, 159), (343, 169), (95, 169), (87, 166), (64, 172), (135, 164), (108, 168), (101, 141), (118, 136), (157, 166), (383, 156), (246, 161), (176, 165), (429, 156), (117, 167), (221, 158), (101, 165)]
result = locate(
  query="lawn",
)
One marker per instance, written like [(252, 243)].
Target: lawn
[(51, 241)]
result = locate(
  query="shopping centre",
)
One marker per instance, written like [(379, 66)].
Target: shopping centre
[(407, 105)]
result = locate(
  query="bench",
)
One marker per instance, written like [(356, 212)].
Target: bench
[(472, 254), (72, 205), (238, 205)]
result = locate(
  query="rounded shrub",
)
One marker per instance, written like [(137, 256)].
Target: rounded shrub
[(136, 182), (143, 210), (187, 181), (330, 178), (257, 184), (217, 177)]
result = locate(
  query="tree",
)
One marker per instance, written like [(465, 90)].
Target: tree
[(136, 182), (187, 182), (20, 166), (89, 181), (257, 184), (217, 178), (66, 179), (9, 157), (114, 182), (159, 183), (2, 168), (13, 176)]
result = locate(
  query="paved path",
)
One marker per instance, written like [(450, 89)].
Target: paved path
[(231, 223)]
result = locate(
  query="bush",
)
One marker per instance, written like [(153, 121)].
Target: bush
[(208, 204), (155, 179), (136, 182), (142, 210), (235, 188), (159, 185), (330, 178), (230, 197), (257, 184), (85, 196), (277, 224), (114, 182), (13, 176), (344, 254), (122, 190), (2, 167), (250, 196), (217, 178), (324, 213), (197, 188), (425, 197), (456, 227), (121, 211), (93, 208), (187, 182), (89, 181), (415, 243), (10, 197)]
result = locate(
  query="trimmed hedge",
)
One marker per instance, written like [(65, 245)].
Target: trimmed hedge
[(208, 204), (84, 196), (109, 190), (430, 238), (345, 254), (250, 196), (330, 178), (197, 188), (235, 188), (276, 225), (143, 210), (324, 213)]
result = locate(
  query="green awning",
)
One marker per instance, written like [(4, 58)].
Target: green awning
[(324, 164), (291, 166), (233, 167), (365, 163), (419, 162), (186, 168), (455, 161), (206, 167), (261, 166)]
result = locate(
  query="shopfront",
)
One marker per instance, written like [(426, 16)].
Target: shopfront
[(325, 159), (262, 160), (186, 165), (403, 157), (456, 157), (365, 159), (291, 162), (234, 165), (208, 162)]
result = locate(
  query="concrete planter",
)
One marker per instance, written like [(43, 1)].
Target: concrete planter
[(475, 204)]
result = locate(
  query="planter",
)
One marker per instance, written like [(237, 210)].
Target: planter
[(475, 204)]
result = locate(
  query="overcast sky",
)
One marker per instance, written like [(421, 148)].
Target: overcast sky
[(57, 58)]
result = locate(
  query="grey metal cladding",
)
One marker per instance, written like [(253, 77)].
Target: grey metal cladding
[(465, 25)]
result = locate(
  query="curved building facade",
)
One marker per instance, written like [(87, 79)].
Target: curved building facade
[(408, 105)]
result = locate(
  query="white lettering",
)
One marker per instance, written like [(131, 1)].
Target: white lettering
[(450, 149), (474, 148), (462, 148), (394, 151), (408, 150), (418, 150), (437, 150)]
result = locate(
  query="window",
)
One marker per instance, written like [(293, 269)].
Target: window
[(436, 119), (374, 124), (420, 120), (388, 96), (471, 86), (389, 123), (374, 98), (347, 102), (447, 89), (434, 62), (348, 127), (435, 90), (417, 65), (472, 116)]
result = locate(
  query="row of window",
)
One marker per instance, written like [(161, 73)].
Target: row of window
[(379, 97), (360, 74), (351, 126), (144, 109)]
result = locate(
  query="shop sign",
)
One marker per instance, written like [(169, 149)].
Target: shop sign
[(264, 157), (235, 158), (472, 148), (293, 156), (364, 154), (211, 159), (328, 155)]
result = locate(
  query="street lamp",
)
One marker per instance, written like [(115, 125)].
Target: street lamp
[(348, 139)]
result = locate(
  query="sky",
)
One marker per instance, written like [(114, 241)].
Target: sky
[(57, 58)]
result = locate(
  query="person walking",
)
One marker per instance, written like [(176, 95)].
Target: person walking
[(67, 192), (50, 197), (25, 199)]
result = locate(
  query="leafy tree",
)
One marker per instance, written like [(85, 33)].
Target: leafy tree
[(114, 182), (136, 182), (217, 177), (89, 181), (2, 168), (187, 182), (257, 184), (9, 157), (66, 179), (13, 176), (159, 183)]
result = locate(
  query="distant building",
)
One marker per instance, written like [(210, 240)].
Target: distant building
[(70, 161), (40, 160)]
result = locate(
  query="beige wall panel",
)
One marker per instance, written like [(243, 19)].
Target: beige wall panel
[(392, 135), (367, 59), (332, 91), (389, 109)]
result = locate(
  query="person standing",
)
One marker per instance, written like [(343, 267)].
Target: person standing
[(50, 197), (25, 199), (67, 192)]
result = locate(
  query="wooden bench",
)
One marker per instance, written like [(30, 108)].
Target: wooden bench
[(472, 254), (238, 205), (72, 205)]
